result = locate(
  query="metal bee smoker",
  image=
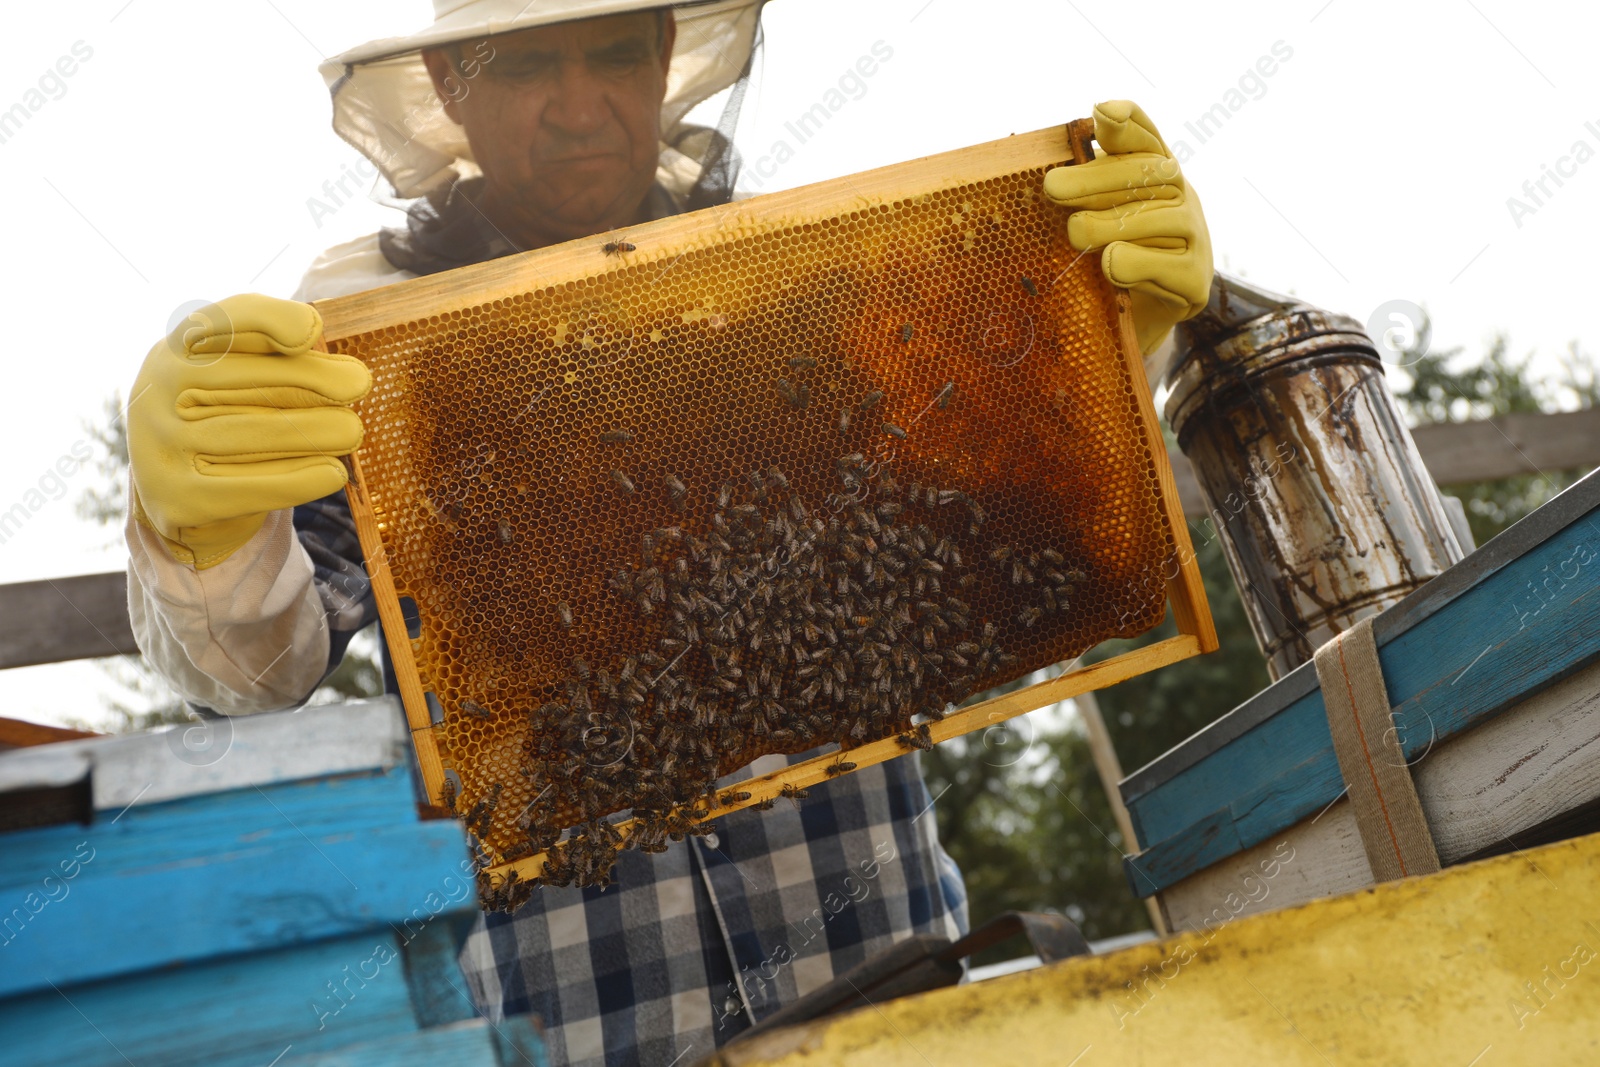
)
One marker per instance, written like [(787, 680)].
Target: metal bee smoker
[(1326, 511)]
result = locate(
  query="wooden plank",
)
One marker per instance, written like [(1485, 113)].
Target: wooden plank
[(243, 871), (1477, 451), (19, 733), (397, 637), (1424, 971), (1479, 790), (1507, 445), (218, 755), (236, 1012), (1319, 857), (1186, 591), (64, 619)]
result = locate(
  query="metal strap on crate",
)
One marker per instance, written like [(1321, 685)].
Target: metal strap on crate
[(1388, 814)]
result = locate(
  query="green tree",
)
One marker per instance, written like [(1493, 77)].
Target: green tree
[(1442, 387)]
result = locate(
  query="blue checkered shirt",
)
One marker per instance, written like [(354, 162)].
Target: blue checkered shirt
[(692, 946)]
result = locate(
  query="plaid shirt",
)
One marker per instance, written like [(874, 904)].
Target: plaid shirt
[(692, 946)]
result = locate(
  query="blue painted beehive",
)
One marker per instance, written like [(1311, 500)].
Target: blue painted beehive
[(251, 891), (1493, 673)]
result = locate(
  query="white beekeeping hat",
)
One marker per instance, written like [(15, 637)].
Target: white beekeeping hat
[(384, 103)]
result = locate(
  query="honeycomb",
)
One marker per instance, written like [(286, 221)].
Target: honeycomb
[(811, 480)]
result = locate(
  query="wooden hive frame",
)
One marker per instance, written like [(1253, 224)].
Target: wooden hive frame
[(513, 275)]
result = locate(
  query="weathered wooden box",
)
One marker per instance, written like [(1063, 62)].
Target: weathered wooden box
[(244, 892), (1491, 670)]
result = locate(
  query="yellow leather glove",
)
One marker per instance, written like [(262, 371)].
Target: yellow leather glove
[(1134, 203), (234, 415)]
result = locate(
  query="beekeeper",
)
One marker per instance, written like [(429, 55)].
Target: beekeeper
[(511, 126)]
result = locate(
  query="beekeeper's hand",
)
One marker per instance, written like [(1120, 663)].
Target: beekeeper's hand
[(1136, 206), (235, 414)]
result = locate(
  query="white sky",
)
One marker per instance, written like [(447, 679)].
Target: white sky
[(1376, 165)]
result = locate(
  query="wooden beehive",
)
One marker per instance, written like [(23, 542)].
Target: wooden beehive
[(1493, 671), (805, 468)]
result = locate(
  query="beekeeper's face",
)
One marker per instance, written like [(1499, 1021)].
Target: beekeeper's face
[(564, 120)]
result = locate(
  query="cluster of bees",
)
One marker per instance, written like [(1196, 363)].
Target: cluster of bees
[(1043, 571), (777, 628)]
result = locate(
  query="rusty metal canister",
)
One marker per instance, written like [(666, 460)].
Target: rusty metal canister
[(1326, 512)]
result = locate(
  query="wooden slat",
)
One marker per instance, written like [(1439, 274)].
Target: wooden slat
[(1460, 452), (60, 619), (1510, 444), (401, 649), (1186, 591), (238, 872), (219, 755)]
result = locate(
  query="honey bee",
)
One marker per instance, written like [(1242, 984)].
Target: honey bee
[(894, 431), (1052, 557), (870, 401), (844, 420), (623, 481), (1028, 616), (942, 400), (476, 710), (447, 794), (676, 491), (615, 437), (732, 797), (564, 611), (905, 334), (841, 767), (764, 805), (794, 793), (504, 531), (1027, 284), (616, 248), (786, 391), (580, 668), (802, 362)]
